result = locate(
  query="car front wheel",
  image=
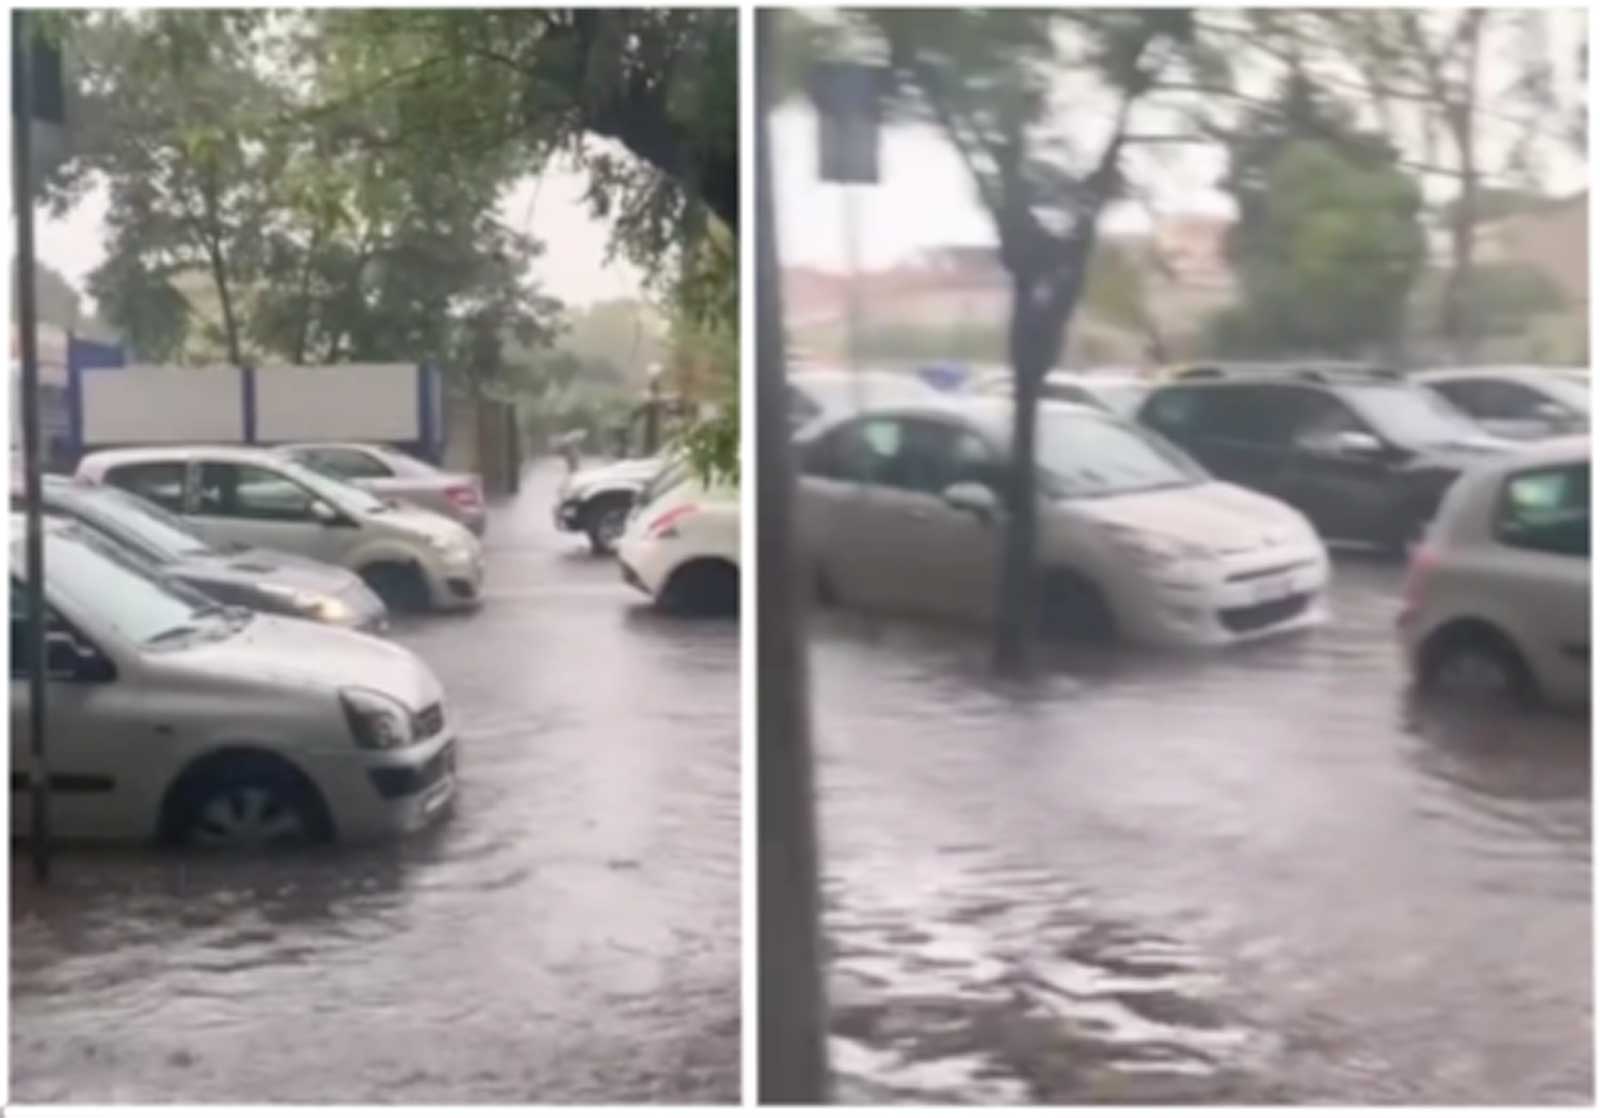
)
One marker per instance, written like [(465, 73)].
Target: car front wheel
[(250, 803), (606, 520), (1478, 664)]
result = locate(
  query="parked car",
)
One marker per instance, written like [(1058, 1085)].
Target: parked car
[(1517, 402), (900, 510), (235, 496), (830, 392), (175, 718), (1364, 454), (1497, 597), (397, 476), (1116, 392), (597, 501), (681, 547), (269, 581)]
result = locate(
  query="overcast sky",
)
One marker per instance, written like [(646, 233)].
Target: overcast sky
[(573, 267), (925, 196)]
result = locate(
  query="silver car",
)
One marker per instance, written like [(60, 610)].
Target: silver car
[(397, 477)]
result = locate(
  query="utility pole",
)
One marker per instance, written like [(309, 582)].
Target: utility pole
[(792, 1016), (24, 75)]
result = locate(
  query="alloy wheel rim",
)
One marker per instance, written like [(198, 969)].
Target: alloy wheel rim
[(251, 815), (611, 525)]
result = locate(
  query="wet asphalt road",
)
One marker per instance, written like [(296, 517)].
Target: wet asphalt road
[(571, 934), (1259, 876)]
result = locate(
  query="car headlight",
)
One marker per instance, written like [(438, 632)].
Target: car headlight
[(376, 720), (305, 603), (1159, 551)]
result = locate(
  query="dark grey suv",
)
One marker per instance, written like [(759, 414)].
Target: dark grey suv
[(1363, 454)]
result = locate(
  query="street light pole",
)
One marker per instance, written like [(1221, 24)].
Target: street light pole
[(792, 1062), (28, 328)]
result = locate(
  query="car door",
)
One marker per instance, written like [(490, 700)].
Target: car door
[(839, 529), (245, 504), (1236, 431), (1542, 528), (937, 559), (89, 797), (1344, 491)]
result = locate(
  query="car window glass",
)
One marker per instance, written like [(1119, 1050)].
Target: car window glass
[(344, 462), (1546, 510), (245, 492), (159, 482), (1177, 411), (1317, 418), (19, 629)]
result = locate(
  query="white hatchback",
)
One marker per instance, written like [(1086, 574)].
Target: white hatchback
[(681, 546), (900, 510), (171, 717), (1497, 598), (245, 497)]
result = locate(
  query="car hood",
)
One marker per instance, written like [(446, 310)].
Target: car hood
[(258, 565), (273, 650), (420, 522), (1215, 515), (629, 471)]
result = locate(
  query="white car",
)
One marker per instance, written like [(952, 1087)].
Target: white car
[(681, 546), (172, 717), (1120, 393), (243, 497), (1517, 401), (597, 501), (1497, 598), (900, 510), (397, 476)]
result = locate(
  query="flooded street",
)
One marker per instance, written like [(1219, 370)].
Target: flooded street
[(1251, 877), (571, 934)]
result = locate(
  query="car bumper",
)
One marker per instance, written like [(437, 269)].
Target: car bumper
[(457, 584), (400, 793), (1265, 597), (644, 564)]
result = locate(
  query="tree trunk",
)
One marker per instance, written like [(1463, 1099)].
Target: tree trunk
[(230, 324), (1017, 613)]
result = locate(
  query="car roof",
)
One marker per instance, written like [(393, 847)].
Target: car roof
[(180, 452), (1545, 452), (1505, 372), (992, 414)]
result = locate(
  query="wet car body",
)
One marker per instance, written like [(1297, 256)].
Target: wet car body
[(397, 477), (174, 718), (597, 501), (1157, 553), (256, 578)]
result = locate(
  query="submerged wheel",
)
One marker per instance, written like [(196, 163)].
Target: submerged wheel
[(400, 585), (704, 588), (252, 801), (1071, 608), (605, 522), (1476, 663)]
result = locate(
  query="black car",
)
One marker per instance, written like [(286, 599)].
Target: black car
[(1365, 455)]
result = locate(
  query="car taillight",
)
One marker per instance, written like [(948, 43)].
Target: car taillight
[(1423, 561), (464, 496), (665, 525)]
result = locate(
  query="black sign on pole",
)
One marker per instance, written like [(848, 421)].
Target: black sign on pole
[(848, 97), (27, 81)]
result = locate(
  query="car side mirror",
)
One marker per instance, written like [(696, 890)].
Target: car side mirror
[(324, 513), (1358, 445), (975, 498)]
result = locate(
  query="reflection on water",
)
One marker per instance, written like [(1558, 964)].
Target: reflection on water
[(572, 933), (1260, 876)]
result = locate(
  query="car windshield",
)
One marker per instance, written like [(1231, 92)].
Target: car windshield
[(86, 569), (1569, 389), (1410, 416), (139, 523), (1084, 455), (1124, 399), (348, 497)]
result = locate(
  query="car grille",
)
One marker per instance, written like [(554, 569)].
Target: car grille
[(1268, 572), (428, 722), (1248, 618)]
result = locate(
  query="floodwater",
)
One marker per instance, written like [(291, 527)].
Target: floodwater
[(1255, 877), (570, 934)]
